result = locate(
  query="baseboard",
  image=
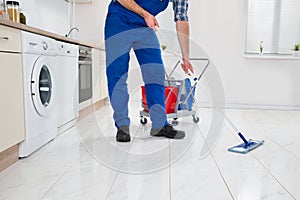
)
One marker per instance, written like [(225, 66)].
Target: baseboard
[(85, 104), (252, 107), (9, 157), (66, 126), (245, 106), (90, 109)]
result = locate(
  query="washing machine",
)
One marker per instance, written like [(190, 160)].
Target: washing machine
[(39, 59), (66, 74)]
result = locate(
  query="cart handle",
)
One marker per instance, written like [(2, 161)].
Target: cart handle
[(179, 61), (198, 79)]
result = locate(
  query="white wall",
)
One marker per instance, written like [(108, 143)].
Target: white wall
[(220, 27), (50, 15), (90, 19)]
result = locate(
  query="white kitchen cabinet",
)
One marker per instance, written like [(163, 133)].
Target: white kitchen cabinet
[(103, 78), (12, 129), (10, 39), (99, 76)]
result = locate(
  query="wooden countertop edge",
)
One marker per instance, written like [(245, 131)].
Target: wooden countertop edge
[(45, 33)]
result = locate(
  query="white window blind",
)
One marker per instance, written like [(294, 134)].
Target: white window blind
[(276, 23)]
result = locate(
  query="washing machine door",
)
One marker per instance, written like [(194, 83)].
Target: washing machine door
[(42, 87)]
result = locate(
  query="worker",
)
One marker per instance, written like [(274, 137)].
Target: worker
[(131, 24)]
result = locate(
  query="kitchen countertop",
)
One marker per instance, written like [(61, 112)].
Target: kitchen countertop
[(44, 33)]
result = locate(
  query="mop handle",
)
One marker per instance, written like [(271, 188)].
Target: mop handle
[(243, 138)]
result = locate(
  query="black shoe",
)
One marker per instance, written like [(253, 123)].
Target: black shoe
[(168, 132), (123, 134)]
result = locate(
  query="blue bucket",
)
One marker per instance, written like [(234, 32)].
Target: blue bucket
[(190, 101)]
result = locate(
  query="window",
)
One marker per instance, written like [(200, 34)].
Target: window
[(274, 22)]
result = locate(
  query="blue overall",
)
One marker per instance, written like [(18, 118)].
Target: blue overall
[(126, 30)]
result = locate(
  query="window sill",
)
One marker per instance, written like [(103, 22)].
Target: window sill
[(271, 56)]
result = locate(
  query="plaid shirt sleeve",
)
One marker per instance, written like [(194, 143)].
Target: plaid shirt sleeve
[(180, 8)]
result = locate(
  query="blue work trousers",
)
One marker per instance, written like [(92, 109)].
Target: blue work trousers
[(120, 38)]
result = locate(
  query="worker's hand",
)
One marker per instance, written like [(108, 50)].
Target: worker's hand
[(187, 66), (151, 21)]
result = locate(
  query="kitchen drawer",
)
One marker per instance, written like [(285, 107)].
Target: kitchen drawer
[(10, 39)]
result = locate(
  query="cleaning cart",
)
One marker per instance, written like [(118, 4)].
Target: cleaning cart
[(179, 96)]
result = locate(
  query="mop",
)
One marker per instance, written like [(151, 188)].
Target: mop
[(242, 148), (247, 145)]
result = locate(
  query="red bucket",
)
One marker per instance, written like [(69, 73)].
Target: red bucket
[(171, 92)]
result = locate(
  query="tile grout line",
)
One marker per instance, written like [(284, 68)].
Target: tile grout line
[(118, 172), (170, 179), (216, 164), (283, 147), (52, 186), (111, 186), (170, 162), (223, 178), (71, 166), (273, 176), (269, 172)]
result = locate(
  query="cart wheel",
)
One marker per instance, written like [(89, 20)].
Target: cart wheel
[(175, 122), (196, 119), (143, 120)]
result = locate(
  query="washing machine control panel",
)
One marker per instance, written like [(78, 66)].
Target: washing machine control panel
[(37, 44)]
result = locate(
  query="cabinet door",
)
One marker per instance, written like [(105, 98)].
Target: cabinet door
[(12, 129), (99, 76), (103, 78), (96, 75)]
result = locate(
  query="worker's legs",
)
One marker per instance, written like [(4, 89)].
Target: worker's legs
[(118, 41), (147, 50)]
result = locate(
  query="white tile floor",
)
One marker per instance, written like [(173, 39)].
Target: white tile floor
[(87, 163)]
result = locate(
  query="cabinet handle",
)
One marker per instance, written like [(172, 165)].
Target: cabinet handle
[(4, 38), (85, 62), (33, 43)]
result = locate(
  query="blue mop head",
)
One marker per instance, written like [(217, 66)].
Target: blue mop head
[(246, 146)]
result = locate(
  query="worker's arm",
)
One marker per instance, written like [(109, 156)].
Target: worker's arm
[(183, 32), (134, 7)]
